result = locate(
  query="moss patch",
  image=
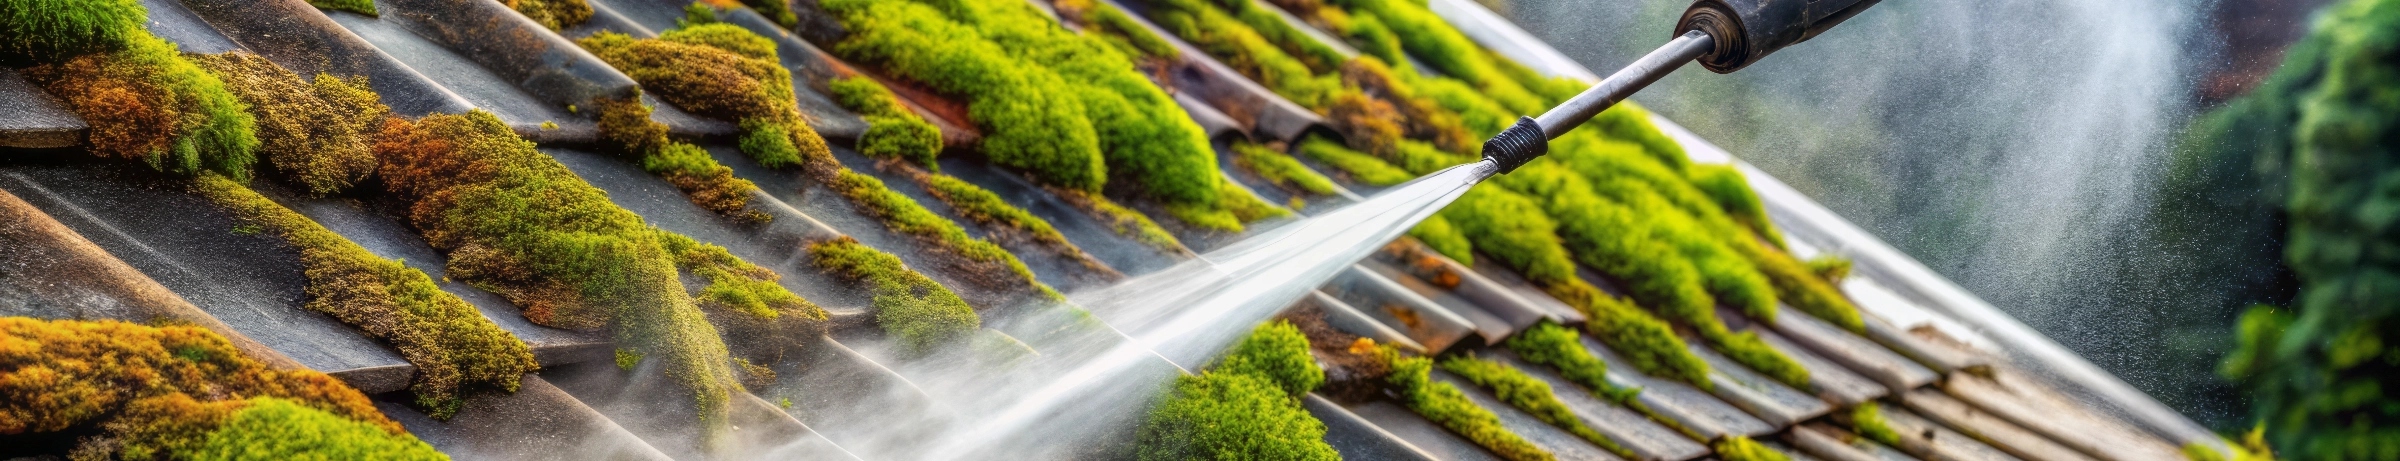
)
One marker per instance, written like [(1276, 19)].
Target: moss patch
[(1119, 30), (1360, 167), (1531, 395), (1125, 221), (129, 378), (987, 261), (554, 14), (706, 182), (145, 101), (1282, 170), (365, 7), (916, 311), (976, 203), (1868, 419), (720, 71), (1445, 405), (49, 30), (518, 223), (272, 428), (319, 135), (1247, 406), (1739, 448), (893, 131)]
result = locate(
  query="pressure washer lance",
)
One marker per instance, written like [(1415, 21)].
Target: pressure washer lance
[(1724, 35)]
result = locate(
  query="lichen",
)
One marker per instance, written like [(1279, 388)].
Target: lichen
[(554, 14), (127, 378), (317, 134), (916, 311)]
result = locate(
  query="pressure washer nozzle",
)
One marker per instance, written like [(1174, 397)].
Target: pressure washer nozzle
[(1516, 145)]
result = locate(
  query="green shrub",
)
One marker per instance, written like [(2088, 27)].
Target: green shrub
[(904, 215), (318, 135), (51, 30), (1363, 168), (1868, 419), (1283, 170), (146, 101), (893, 131), (1277, 351), (449, 341), (1437, 233), (272, 428), (520, 224), (917, 311), (365, 7), (554, 14), (1219, 415), (1529, 394), (1031, 117), (1445, 405), (1739, 448)]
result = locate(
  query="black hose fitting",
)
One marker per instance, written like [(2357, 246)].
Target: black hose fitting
[(1516, 145)]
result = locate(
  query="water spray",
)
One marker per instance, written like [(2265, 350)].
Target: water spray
[(1724, 35)]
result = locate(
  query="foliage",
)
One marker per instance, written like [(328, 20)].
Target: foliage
[(146, 101), (893, 130), (519, 224), (1445, 405), (2317, 370), (1276, 351), (980, 205), (919, 312), (1283, 170), (319, 134), (1437, 233), (1740, 448), (706, 182), (1359, 166), (365, 7), (63, 374), (1120, 30), (554, 14), (272, 428), (1222, 415), (50, 30), (1561, 348), (1528, 394), (720, 71), (904, 215), (449, 341), (1030, 117)]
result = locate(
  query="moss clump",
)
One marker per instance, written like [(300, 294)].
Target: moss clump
[(126, 378), (976, 203), (1234, 42), (904, 215), (725, 72), (1445, 405), (518, 223), (450, 342), (1561, 348), (1427, 36), (49, 30), (1422, 118), (1247, 406), (744, 301), (1531, 395), (1829, 267), (1236, 205), (1280, 169), (1360, 167), (319, 134), (1740, 448), (554, 14), (706, 182), (1438, 234), (893, 131), (145, 101), (1030, 116), (1868, 419), (920, 313), (272, 428), (1118, 29), (1125, 221), (365, 7), (1725, 185)]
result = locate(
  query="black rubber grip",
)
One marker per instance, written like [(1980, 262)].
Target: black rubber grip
[(1516, 145)]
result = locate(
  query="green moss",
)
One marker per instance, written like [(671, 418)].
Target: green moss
[(1118, 29), (1219, 415), (145, 101), (518, 223), (723, 36), (449, 341), (2252, 447), (904, 215), (1319, 57), (725, 72), (707, 183), (1868, 419), (1438, 234), (1280, 169), (918, 312), (1725, 185), (628, 358), (1275, 350), (318, 135), (1243, 48), (975, 203), (1427, 36), (1739, 448), (1528, 394), (1031, 118), (779, 11), (554, 14), (1445, 405), (1125, 221), (1236, 205), (271, 428), (365, 7), (893, 131), (1562, 348), (1648, 343), (734, 283), (1422, 118), (50, 30), (1363, 168), (1829, 267)]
